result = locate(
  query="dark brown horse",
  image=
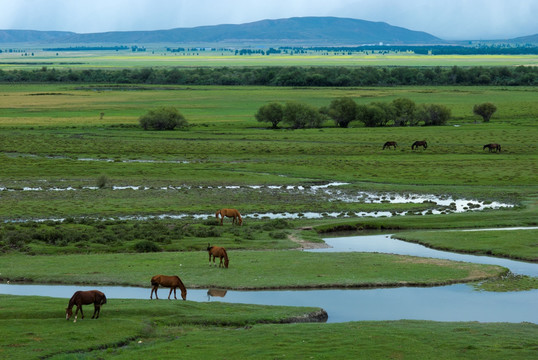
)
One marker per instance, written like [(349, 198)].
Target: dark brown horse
[(220, 252), (80, 298), (173, 282), (492, 147), (233, 213), (388, 144), (416, 144)]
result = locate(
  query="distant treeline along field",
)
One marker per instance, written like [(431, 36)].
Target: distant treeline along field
[(287, 76)]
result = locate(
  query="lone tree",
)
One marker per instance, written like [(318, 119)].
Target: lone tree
[(486, 110), (162, 118), (272, 113), (342, 111)]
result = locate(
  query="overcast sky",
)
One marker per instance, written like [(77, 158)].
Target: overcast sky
[(447, 19)]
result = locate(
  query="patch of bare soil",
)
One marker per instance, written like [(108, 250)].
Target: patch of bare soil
[(303, 244)]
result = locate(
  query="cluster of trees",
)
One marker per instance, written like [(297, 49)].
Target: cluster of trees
[(288, 76), (399, 112)]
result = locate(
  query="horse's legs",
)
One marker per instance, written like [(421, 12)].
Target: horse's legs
[(152, 290), (96, 309), (175, 293), (79, 307), (170, 293)]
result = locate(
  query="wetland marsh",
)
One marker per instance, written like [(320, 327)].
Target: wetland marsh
[(115, 186)]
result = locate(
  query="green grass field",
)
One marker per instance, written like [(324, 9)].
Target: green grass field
[(53, 137), (112, 59)]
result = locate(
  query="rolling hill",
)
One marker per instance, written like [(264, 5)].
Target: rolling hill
[(292, 31)]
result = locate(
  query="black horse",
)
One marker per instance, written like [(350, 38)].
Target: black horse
[(388, 144), (416, 144), (492, 147)]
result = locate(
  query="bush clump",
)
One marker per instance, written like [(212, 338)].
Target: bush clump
[(162, 118), (145, 246)]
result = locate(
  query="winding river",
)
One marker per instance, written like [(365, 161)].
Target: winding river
[(458, 302)]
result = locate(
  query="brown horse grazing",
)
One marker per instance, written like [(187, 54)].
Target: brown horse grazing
[(492, 147), (220, 252), (388, 144), (173, 282), (233, 213), (80, 298), (416, 144)]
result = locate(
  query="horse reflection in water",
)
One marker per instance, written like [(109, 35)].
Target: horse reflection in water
[(216, 292), (218, 252), (233, 213), (173, 282), (80, 298)]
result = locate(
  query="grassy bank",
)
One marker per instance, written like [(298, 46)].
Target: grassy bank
[(248, 270), (516, 244), (168, 329)]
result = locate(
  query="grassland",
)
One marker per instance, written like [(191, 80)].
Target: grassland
[(158, 58), (168, 329), (53, 137)]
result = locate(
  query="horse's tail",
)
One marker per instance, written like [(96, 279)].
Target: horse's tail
[(155, 280), (499, 146), (209, 247), (217, 214), (103, 300)]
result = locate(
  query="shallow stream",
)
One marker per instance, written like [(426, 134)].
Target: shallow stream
[(458, 302)]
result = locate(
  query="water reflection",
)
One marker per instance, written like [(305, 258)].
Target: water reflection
[(216, 293)]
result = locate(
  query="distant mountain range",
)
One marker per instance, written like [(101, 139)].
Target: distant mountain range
[(292, 31), (311, 31)]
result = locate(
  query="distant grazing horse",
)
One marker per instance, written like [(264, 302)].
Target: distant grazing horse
[(492, 147), (80, 298), (173, 282), (233, 213), (216, 292), (388, 144), (416, 144), (218, 252)]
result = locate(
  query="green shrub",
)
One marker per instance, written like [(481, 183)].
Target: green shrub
[(162, 118), (146, 246)]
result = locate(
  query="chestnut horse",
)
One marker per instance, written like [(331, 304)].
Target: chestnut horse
[(233, 213), (173, 282), (492, 147), (416, 144), (220, 252), (388, 144), (80, 298)]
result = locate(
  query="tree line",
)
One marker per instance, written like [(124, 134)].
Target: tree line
[(343, 111), (287, 76)]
